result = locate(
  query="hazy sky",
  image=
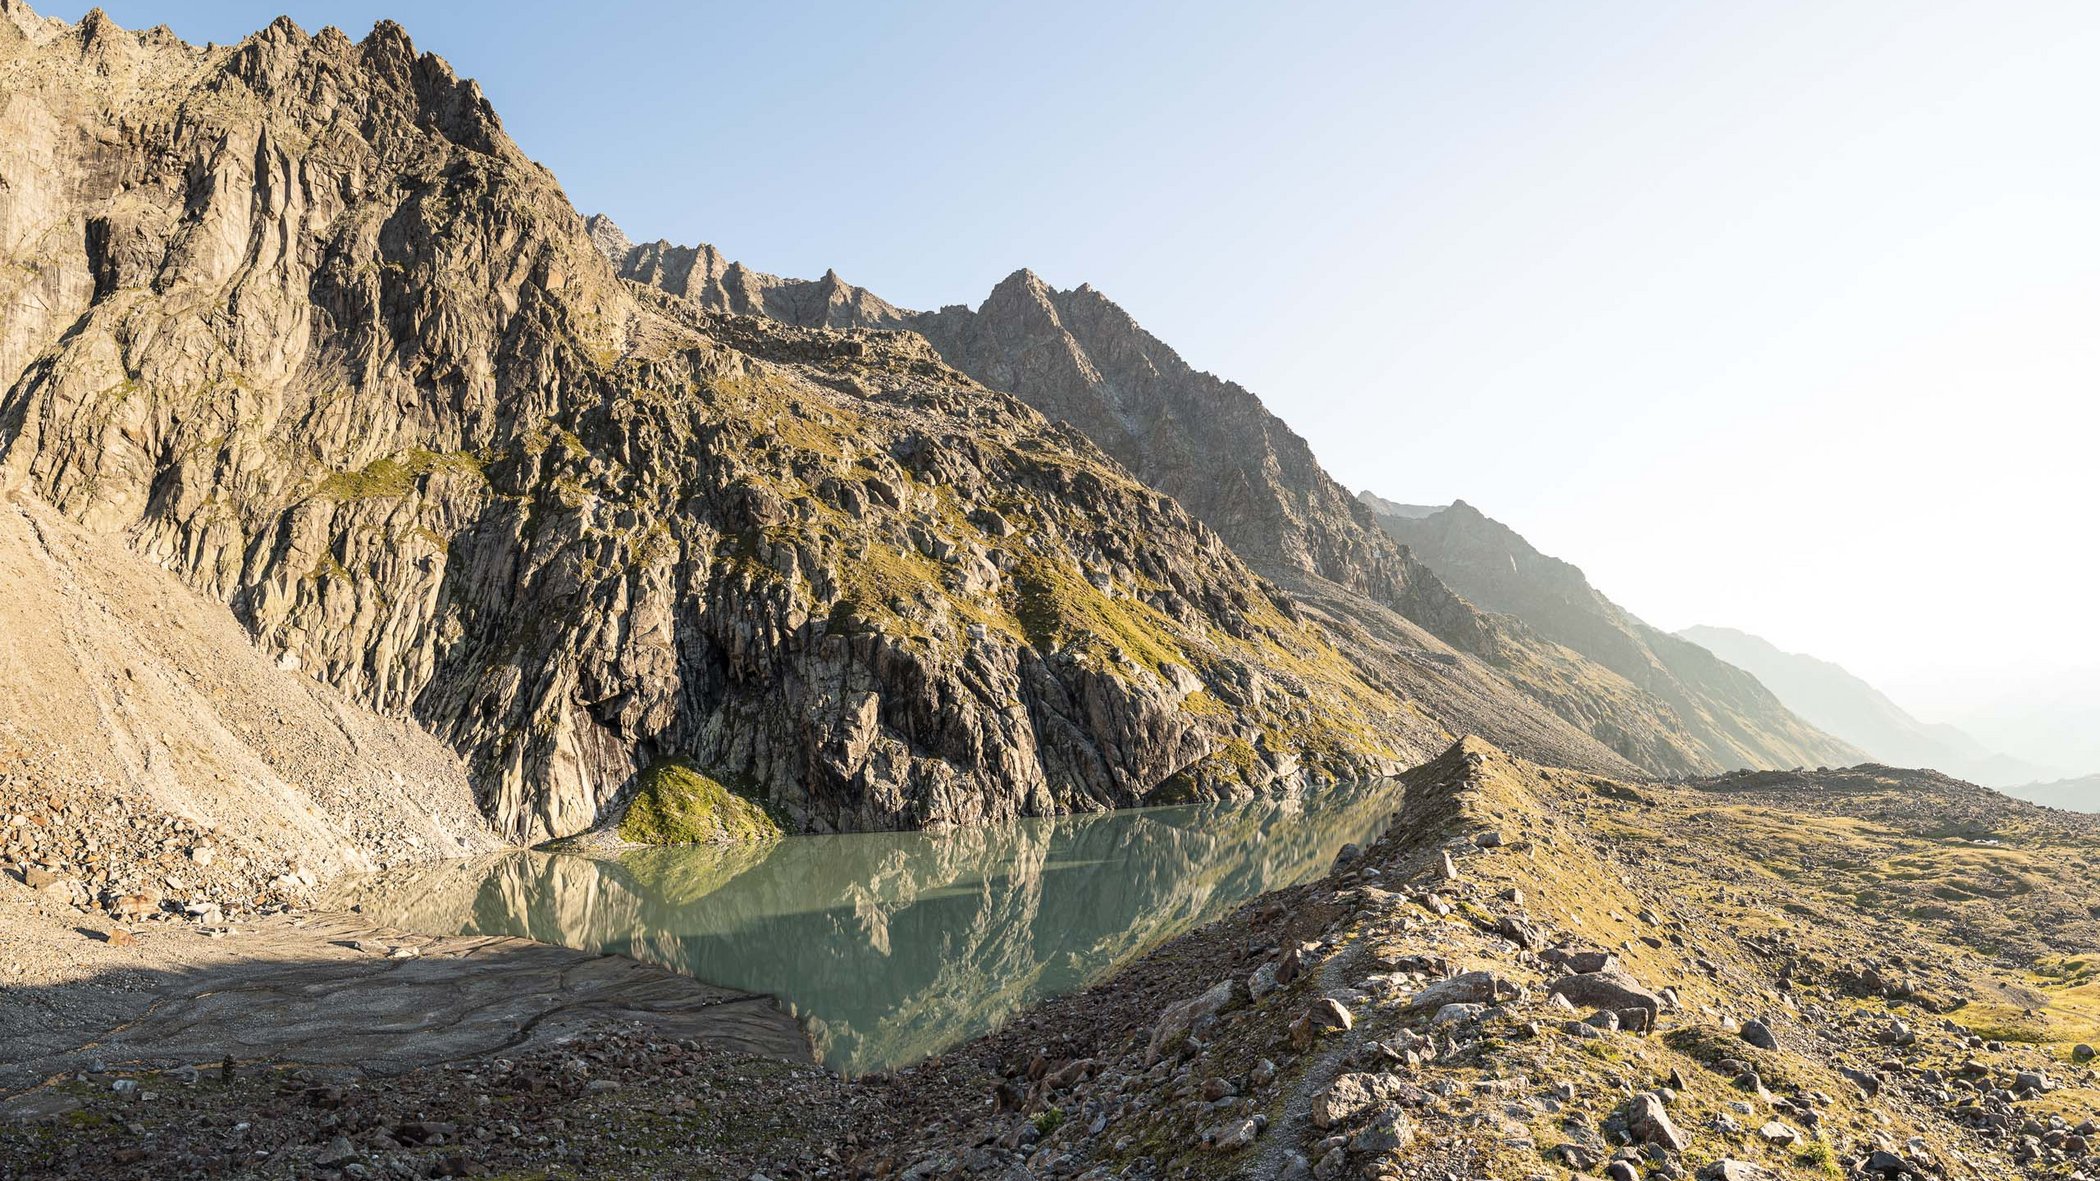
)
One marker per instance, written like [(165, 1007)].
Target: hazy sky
[(1779, 316)]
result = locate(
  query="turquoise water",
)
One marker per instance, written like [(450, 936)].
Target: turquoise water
[(891, 947)]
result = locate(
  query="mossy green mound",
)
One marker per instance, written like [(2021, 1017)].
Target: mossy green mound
[(677, 805)]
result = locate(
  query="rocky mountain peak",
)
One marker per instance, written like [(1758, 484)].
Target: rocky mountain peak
[(305, 328)]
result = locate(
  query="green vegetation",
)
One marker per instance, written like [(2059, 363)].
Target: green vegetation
[(1049, 1120), (1820, 1156), (678, 805), (1057, 606), (388, 477)]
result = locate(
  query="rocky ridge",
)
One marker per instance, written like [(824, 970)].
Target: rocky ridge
[(1735, 720), (1079, 358), (297, 321)]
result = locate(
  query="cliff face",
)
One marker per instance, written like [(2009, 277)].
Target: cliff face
[(297, 321), (1735, 720), (1079, 358)]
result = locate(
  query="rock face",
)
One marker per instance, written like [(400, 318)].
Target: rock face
[(1729, 719), (297, 321), (1079, 358)]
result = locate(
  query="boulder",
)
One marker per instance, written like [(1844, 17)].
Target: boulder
[(1648, 1123), (1350, 1095), (1466, 988), (1177, 1020), (1581, 959), (1758, 1034), (1390, 1130), (1611, 988)]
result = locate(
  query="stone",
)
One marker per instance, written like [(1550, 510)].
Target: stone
[(2033, 1080), (1774, 1132), (1619, 1170), (1235, 1135), (1758, 1034), (1611, 988), (337, 1153), (2083, 1053), (1177, 1020), (1648, 1122), (1350, 1095), (36, 877), (1448, 870), (1390, 1130), (1457, 1013), (1330, 1014), (1479, 987)]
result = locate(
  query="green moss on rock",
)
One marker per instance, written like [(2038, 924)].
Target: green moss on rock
[(678, 805)]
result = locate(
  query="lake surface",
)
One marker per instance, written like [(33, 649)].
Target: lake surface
[(891, 947)]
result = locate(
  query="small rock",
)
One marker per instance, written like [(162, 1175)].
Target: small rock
[(1758, 1034), (1458, 1013), (1235, 1135)]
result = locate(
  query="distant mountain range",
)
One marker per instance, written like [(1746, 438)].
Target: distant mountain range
[(1836, 700), (1734, 719), (1721, 681), (2079, 795)]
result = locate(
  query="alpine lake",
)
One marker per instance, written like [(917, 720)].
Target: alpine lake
[(892, 947)]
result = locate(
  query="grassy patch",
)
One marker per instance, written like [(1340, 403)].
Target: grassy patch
[(390, 477), (677, 805), (1057, 606)]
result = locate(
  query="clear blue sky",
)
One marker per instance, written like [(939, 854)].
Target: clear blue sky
[(1775, 315)]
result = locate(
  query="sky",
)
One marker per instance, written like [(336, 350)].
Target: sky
[(1776, 316)]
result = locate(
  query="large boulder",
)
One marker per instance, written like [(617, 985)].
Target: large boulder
[(1649, 1123), (1611, 989), (1466, 988)]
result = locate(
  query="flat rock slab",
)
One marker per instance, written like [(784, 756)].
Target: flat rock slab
[(330, 993)]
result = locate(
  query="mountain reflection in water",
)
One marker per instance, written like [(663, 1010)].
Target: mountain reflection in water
[(895, 946)]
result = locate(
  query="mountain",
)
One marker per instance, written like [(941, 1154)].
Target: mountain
[(1212, 445), (1735, 720), (2076, 795), (295, 320), (1845, 705)]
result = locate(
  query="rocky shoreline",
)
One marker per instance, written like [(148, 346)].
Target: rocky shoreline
[(1534, 973)]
